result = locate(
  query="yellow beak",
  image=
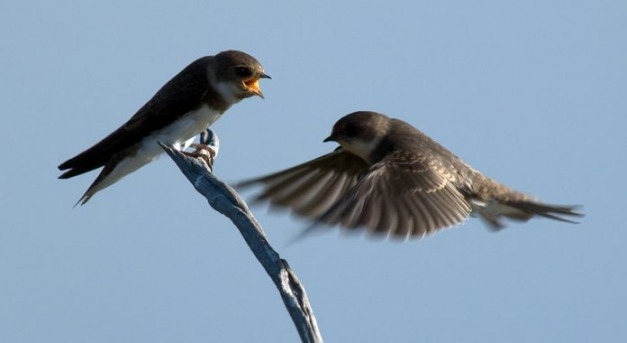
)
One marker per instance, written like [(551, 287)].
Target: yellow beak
[(253, 86)]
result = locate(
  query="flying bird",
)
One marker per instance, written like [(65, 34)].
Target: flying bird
[(388, 177), (184, 107)]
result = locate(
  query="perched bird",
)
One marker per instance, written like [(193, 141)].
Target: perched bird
[(184, 107), (390, 178)]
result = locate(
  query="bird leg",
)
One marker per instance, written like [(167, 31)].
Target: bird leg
[(204, 152), (207, 149)]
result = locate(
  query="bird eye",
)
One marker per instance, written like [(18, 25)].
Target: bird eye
[(243, 72), (351, 131)]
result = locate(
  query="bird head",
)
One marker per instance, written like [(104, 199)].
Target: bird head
[(360, 133), (238, 75)]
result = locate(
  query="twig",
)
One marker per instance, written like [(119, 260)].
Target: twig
[(225, 200)]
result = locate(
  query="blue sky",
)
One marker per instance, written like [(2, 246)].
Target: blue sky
[(532, 93)]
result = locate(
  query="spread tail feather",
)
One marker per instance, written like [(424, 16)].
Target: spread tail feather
[(493, 211)]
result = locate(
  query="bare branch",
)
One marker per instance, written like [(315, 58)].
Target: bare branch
[(225, 200)]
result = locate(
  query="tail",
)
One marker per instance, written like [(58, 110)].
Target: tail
[(493, 211), (101, 182), (115, 169), (88, 160)]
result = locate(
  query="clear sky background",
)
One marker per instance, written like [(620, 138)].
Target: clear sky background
[(532, 93)]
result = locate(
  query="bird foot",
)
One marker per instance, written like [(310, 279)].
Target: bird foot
[(204, 152)]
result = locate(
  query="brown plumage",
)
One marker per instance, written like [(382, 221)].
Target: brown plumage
[(185, 106), (390, 178)]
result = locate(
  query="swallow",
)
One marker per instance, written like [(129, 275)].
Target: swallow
[(183, 108), (389, 178)]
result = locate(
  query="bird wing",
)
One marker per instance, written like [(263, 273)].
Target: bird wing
[(404, 195), (311, 188), (178, 96)]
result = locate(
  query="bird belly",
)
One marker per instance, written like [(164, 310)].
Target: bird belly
[(125, 167), (181, 133)]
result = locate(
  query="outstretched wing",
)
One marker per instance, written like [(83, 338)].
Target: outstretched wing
[(311, 188), (404, 196)]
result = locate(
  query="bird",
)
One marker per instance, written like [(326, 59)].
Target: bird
[(184, 107), (389, 178)]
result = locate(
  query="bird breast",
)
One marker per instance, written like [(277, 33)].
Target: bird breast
[(180, 133)]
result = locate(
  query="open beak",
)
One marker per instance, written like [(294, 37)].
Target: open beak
[(253, 85)]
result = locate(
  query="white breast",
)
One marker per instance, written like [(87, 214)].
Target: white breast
[(181, 133), (362, 148)]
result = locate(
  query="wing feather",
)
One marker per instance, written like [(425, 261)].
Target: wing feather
[(400, 195), (311, 188), (178, 96), (404, 195)]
